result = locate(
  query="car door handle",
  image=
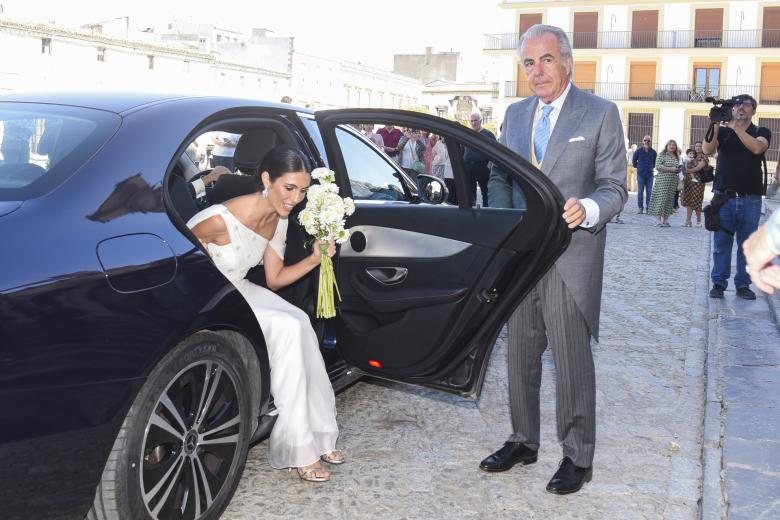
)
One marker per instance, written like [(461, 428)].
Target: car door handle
[(388, 275)]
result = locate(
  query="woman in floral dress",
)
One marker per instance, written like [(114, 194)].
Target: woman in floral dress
[(662, 199)]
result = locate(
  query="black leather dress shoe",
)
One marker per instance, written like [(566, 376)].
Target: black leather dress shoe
[(508, 456), (569, 478)]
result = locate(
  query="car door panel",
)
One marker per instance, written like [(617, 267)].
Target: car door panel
[(465, 269)]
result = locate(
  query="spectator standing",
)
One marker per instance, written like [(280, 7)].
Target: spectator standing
[(16, 140), (644, 162), (477, 164), (368, 131), (224, 148), (693, 188), (662, 198), (739, 183), (390, 136), (411, 150)]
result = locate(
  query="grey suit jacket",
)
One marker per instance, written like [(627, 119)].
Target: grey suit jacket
[(585, 157)]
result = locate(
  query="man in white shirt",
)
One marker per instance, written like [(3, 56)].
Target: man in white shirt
[(576, 139), (224, 148)]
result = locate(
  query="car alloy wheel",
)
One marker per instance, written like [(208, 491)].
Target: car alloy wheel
[(190, 442)]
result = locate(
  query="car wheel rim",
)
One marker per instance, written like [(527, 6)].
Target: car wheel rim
[(190, 442)]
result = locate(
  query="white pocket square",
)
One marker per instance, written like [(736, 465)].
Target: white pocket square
[(575, 139)]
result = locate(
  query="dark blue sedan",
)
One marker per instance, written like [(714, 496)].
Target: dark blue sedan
[(133, 377)]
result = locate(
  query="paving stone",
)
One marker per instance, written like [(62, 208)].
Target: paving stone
[(760, 455), (752, 495)]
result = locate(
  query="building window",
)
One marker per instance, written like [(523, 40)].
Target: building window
[(219, 37), (773, 124), (639, 125), (770, 83), (101, 54), (586, 26), (642, 81), (585, 76), (699, 126), (529, 19), (706, 80), (45, 45), (442, 110), (487, 115), (151, 62), (708, 25), (644, 29)]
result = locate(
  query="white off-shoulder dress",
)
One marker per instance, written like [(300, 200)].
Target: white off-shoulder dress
[(306, 427)]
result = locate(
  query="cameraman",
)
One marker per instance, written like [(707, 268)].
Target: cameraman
[(740, 145)]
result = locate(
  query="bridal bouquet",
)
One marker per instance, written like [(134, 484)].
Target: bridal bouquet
[(324, 218)]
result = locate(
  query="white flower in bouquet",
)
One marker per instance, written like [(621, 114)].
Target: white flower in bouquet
[(324, 218)]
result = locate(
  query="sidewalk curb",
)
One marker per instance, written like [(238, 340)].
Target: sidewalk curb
[(712, 503)]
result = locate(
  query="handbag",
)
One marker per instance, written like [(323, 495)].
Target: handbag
[(707, 174), (418, 166), (712, 214)]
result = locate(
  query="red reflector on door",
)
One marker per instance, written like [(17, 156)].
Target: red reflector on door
[(374, 363)]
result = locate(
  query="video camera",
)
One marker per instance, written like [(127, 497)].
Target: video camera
[(721, 111)]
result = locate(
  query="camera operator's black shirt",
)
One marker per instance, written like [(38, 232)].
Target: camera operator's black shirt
[(738, 168)]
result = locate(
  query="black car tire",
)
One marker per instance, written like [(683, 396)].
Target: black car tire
[(181, 378)]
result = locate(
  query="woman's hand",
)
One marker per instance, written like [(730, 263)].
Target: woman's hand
[(316, 255)]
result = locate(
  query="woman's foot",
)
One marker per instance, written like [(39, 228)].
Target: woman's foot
[(313, 473), (698, 224), (334, 457), (687, 224)]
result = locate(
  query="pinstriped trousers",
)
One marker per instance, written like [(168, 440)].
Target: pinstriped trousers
[(549, 315)]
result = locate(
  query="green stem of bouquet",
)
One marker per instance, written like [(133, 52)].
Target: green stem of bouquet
[(326, 307)]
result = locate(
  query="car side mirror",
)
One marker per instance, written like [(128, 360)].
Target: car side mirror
[(431, 189)]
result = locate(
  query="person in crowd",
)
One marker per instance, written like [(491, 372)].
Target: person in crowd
[(368, 131), (16, 140), (224, 148), (428, 155), (762, 253), (476, 163), (693, 188), (440, 158), (554, 129), (411, 150), (286, 99), (251, 230), (662, 197), (390, 136), (740, 145), (644, 162)]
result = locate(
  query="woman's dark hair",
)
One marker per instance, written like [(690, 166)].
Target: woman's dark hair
[(284, 159)]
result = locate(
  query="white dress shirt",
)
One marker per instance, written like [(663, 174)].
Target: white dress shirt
[(592, 210)]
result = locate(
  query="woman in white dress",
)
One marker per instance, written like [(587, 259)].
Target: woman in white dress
[(237, 235)]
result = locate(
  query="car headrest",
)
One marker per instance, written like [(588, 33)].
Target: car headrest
[(252, 148)]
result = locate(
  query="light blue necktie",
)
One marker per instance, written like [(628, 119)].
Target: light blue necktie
[(542, 134)]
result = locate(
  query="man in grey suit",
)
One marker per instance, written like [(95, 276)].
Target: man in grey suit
[(576, 139)]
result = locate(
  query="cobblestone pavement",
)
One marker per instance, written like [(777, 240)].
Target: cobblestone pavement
[(413, 453), (742, 426)]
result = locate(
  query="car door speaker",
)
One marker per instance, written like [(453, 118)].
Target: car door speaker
[(358, 241)]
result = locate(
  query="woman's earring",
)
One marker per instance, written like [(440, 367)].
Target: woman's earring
[(265, 193)]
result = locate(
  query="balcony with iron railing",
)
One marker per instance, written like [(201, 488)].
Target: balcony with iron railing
[(731, 39), (666, 92)]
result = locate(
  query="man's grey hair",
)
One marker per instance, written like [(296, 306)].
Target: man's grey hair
[(538, 30)]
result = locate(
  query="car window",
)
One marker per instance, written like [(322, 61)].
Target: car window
[(371, 176), (41, 145), (314, 133)]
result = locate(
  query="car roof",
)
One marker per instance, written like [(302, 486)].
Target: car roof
[(120, 102)]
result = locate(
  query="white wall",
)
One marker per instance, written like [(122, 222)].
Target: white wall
[(559, 17), (675, 69), (671, 125), (676, 17), (742, 15), (740, 71), (620, 22)]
